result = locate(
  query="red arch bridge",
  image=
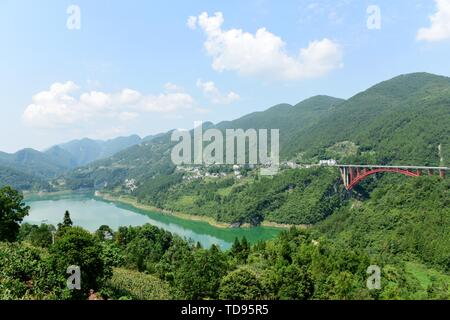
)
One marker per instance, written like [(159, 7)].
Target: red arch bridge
[(354, 174)]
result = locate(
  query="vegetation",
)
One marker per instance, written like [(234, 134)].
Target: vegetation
[(149, 263), (403, 121), (12, 211), (29, 169), (293, 197), (22, 181), (397, 223), (408, 218)]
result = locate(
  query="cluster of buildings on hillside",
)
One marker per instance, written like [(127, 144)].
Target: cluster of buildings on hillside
[(322, 163), (131, 184), (200, 172)]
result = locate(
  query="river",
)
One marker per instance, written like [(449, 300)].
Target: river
[(91, 212)]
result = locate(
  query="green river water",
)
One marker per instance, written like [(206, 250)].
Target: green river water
[(91, 212)]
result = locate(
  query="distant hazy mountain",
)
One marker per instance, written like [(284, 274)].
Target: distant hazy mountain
[(86, 150), (29, 168)]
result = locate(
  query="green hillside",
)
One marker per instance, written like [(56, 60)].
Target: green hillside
[(405, 120), (290, 120), (152, 157), (21, 181), (401, 121), (39, 164), (404, 218)]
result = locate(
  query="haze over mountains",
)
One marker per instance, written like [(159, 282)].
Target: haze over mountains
[(29, 167), (405, 120)]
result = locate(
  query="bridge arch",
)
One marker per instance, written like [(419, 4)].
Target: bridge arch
[(352, 175)]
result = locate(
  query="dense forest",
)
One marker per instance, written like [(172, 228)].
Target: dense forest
[(329, 261), (293, 196)]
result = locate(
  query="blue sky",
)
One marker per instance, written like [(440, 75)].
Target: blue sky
[(146, 66)]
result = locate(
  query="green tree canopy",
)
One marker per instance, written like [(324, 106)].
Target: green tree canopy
[(241, 284), (79, 248), (12, 212), (67, 222)]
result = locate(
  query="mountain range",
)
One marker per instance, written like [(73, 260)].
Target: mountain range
[(28, 168), (404, 120)]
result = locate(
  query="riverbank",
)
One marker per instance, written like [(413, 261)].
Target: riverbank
[(272, 224), (134, 203), (31, 194)]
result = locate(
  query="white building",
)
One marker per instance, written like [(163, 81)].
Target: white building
[(330, 162)]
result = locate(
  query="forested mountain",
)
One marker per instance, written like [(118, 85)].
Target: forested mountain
[(21, 180), (404, 120), (43, 165), (404, 218), (290, 120), (401, 121), (152, 157)]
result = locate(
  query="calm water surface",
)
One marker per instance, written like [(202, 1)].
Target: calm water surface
[(90, 213)]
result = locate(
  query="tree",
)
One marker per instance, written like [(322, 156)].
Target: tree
[(104, 233), (296, 283), (240, 250), (40, 236), (241, 284), (79, 248), (236, 247), (67, 222), (25, 274), (200, 274), (12, 212)]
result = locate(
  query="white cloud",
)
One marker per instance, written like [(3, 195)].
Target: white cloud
[(440, 24), (60, 105), (264, 54), (167, 102), (192, 22), (169, 86), (214, 95)]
